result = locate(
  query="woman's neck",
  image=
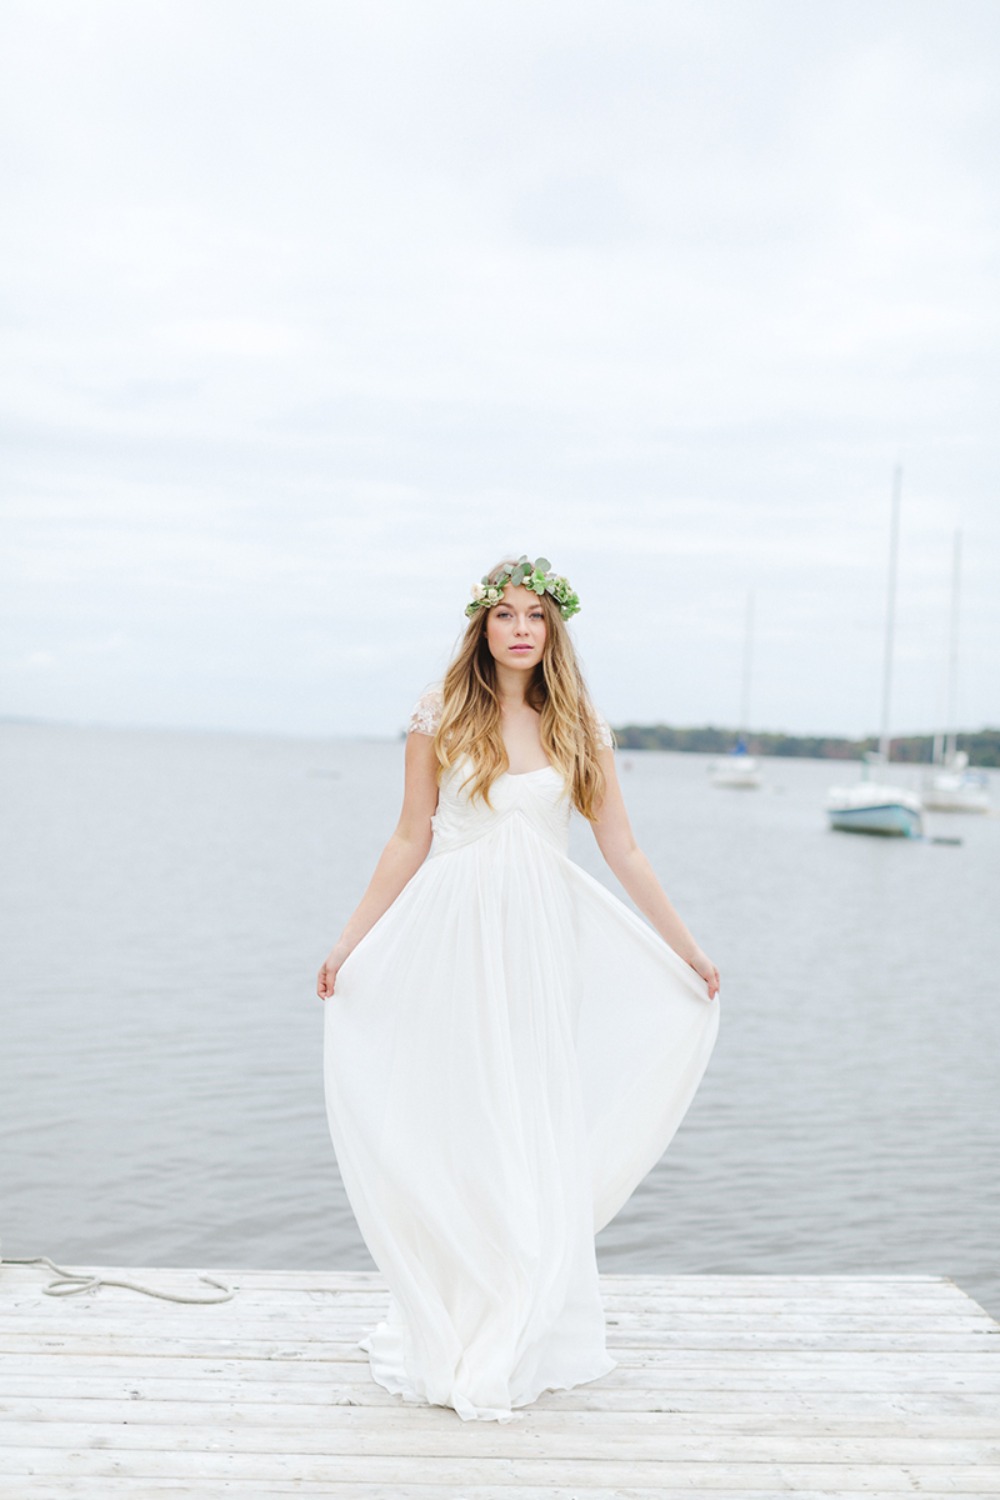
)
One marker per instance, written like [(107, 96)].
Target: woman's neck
[(512, 687)]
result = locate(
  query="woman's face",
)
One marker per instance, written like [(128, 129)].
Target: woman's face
[(515, 628)]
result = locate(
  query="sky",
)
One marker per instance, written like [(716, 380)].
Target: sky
[(311, 312)]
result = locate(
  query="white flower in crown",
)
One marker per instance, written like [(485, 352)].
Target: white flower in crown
[(538, 576)]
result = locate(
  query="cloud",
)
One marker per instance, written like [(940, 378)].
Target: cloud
[(314, 311)]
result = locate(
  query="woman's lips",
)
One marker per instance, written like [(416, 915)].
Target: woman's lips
[(522, 648)]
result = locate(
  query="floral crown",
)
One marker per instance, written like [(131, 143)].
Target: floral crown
[(537, 576)]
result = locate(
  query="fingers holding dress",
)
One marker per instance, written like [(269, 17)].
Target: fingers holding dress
[(327, 977), (703, 965)]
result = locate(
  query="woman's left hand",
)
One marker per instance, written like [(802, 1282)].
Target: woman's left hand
[(703, 965)]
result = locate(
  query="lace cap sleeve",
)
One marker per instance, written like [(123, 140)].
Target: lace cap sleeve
[(605, 737), (425, 715)]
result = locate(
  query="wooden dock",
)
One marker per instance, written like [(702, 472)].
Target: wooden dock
[(739, 1387)]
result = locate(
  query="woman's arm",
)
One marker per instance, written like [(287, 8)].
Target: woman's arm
[(616, 842), (400, 859)]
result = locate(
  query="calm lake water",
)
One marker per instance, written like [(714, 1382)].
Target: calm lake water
[(167, 899)]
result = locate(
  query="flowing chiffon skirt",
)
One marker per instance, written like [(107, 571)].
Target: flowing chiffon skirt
[(508, 1052)]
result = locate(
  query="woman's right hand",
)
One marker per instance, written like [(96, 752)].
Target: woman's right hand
[(703, 965), (327, 977)]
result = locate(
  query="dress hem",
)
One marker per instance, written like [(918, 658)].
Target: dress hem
[(397, 1385)]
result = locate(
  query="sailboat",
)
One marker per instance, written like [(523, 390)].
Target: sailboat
[(740, 769), (875, 805), (950, 786)]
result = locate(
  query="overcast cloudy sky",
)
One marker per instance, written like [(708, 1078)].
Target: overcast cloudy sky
[(311, 311)]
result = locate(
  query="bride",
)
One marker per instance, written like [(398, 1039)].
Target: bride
[(508, 1047)]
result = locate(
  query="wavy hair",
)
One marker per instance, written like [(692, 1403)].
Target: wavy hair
[(470, 718)]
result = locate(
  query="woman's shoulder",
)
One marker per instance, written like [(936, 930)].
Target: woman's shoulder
[(425, 715), (605, 735)]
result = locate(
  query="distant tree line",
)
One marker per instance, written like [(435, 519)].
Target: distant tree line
[(982, 746)]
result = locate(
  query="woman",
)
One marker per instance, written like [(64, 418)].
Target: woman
[(508, 1047)]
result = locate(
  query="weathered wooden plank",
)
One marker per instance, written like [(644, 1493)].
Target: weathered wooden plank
[(333, 1326), (750, 1477), (200, 1345), (284, 1414), (439, 1434), (658, 1366), (109, 1485), (750, 1398), (641, 1283), (732, 1294), (281, 1302)]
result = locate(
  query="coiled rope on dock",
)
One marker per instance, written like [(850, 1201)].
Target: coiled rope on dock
[(68, 1283)]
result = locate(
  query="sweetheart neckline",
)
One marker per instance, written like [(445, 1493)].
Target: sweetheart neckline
[(514, 775)]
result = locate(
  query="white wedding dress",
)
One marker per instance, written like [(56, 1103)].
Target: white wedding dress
[(508, 1051)]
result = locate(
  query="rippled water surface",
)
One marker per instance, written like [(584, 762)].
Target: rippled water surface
[(167, 899)]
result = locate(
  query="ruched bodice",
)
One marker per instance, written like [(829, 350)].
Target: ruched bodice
[(538, 798)]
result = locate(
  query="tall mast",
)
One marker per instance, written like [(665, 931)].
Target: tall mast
[(747, 662), (890, 613), (951, 724)]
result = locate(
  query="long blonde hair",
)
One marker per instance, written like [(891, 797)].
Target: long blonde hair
[(470, 718)]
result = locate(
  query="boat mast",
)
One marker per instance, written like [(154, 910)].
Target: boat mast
[(747, 660), (951, 730), (890, 613)]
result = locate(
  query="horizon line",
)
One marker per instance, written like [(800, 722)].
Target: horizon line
[(628, 724)]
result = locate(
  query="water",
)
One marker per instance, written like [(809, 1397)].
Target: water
[(167, 899)]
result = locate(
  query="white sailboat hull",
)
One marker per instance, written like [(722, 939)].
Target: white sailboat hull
[(740, 772), (951, 787), (885, 811), (951, 794)]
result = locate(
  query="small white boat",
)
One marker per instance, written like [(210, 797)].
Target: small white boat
[(739, 770), (951, 787), (876, 805)]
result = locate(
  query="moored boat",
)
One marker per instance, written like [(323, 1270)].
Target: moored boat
[(950, 786), (739, 769), (879, 806), (875, 807)]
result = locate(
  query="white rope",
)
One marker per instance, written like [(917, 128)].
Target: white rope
[(68, 1283)]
